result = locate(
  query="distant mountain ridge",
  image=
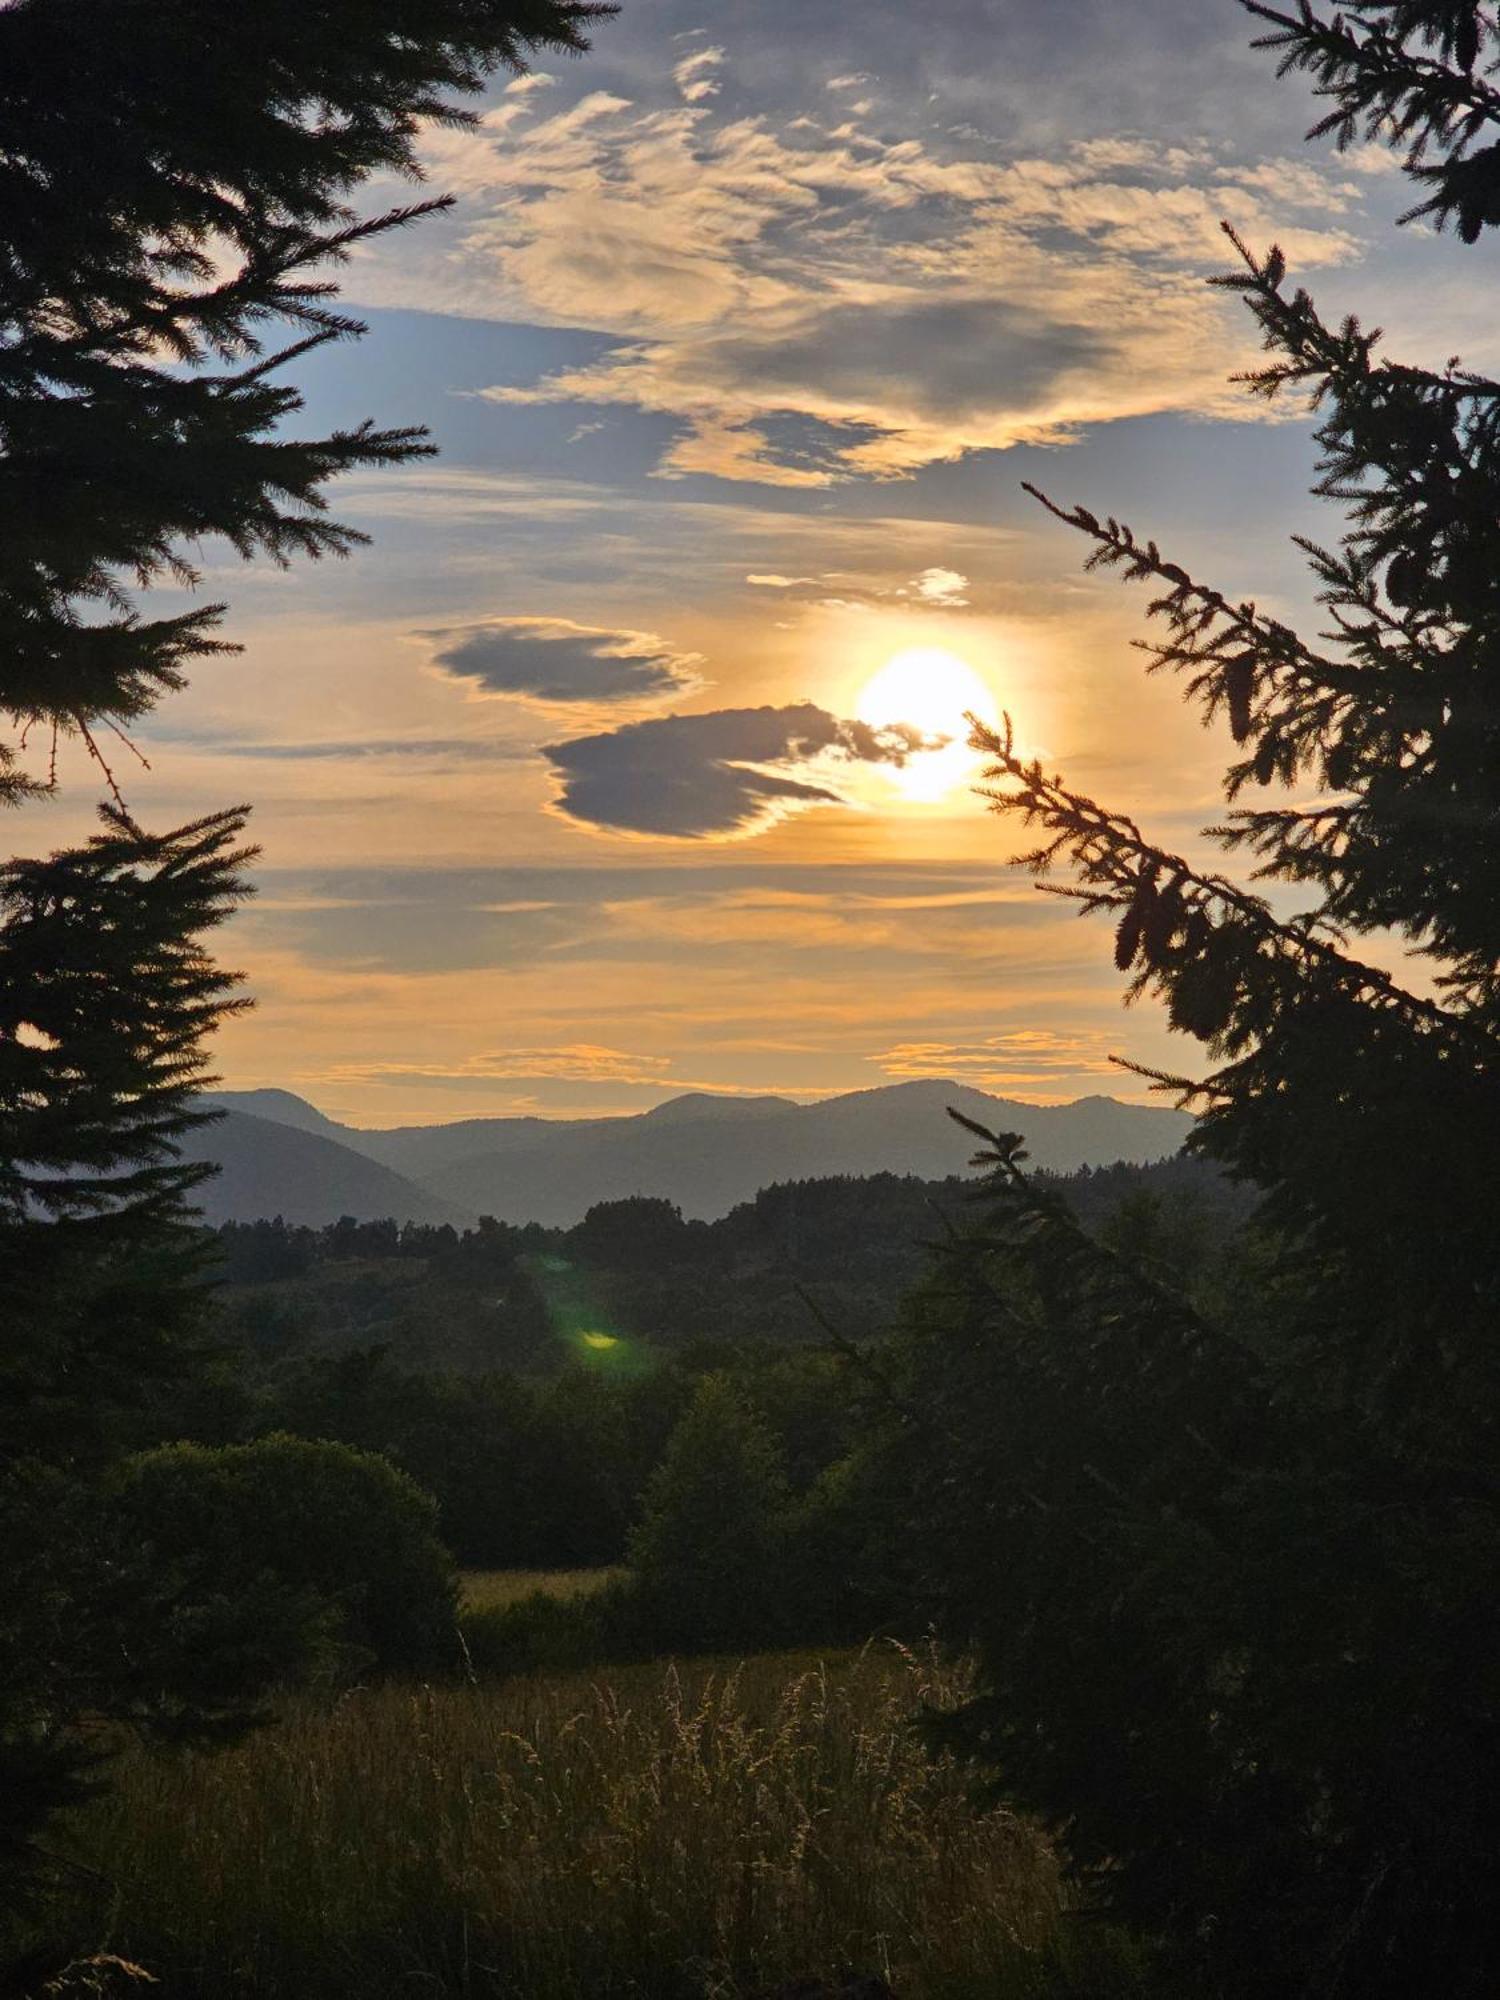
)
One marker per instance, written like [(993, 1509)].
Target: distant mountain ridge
[(269, 1168), (704, 1153)]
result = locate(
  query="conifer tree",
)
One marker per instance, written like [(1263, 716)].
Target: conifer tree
[(707, 1552), (1230, 1570), (176, 186)]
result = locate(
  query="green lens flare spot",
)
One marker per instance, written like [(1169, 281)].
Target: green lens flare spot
[(600, 1342)]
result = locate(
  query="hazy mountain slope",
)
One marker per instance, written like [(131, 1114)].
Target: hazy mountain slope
[(706, 1165), (269, 1168), (703, 1152), (282, 1107), (422, 1150)]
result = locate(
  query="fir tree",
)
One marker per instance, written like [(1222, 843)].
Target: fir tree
[(176, 188), (707, 1553), (1229, 1564)]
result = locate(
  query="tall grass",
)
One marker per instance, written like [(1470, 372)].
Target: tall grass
[(691, 1833), (498, 1589)]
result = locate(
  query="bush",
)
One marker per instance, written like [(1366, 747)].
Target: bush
[(321, 1518)]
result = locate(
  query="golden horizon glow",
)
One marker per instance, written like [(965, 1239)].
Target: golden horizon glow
[(933, 690)]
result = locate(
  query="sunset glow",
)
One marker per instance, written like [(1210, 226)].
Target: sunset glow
[(934, 691), (574, 790)]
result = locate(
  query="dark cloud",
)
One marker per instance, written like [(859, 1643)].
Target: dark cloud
[(949, 359), (556, 660), (695, 776)]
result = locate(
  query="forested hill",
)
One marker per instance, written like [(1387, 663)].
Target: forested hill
[(705, 1154), (637, 1276)]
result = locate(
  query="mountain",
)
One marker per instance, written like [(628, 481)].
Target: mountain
[(270, 1168), (282, 1107), (696, 1104), (707, 1153), (706, 1165)]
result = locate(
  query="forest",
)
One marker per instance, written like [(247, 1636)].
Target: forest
[(530, 1379), (1014, 1588)]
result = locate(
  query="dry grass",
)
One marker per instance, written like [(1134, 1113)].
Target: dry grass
[(494, 1589), (680, 1833)]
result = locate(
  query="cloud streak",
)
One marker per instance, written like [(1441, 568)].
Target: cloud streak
[(557, 661), (1029, 1059)]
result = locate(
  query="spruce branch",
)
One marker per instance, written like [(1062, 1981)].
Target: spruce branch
[(1413, 74), (1226, 966)]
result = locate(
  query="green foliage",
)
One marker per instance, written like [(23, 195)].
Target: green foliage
[(729, 1293), (706, 1554), (107, 997), (550, 1631), (525, 1474), (1221, 1539), (323, 1519)]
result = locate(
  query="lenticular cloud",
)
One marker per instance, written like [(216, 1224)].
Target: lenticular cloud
[(731, 771), (555, 660)]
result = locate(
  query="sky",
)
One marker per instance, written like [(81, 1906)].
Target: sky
[(629, 758)]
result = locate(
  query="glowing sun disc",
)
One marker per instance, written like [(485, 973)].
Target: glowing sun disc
[(930, 690)]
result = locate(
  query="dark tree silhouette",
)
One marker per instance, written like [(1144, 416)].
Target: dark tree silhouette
[(1229, 1570), (1417, 74), (175, 185)]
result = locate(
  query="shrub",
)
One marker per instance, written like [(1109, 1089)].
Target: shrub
[(323, 1518)]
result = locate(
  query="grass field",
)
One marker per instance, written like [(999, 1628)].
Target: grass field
[(493, 1589), (689, 1833)]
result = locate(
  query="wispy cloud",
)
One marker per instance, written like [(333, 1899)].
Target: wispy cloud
[(555, 660), (589, 1062), (911, 301), (1024, 1059), (696, 75), (942, 587)]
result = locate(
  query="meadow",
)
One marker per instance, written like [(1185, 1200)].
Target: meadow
[(698, 1831), (498, 1589)]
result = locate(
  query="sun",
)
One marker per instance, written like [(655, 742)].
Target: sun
[(933, 691)]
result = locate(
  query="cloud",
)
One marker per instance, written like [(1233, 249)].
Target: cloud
[(895, 298), (556, 660), (1023, 1059), (730, 772), (573, 1061), (942, 587), (773, 580), (694, 75)]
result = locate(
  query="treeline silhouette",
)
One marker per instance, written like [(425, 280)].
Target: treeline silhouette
[(525, 1297)]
